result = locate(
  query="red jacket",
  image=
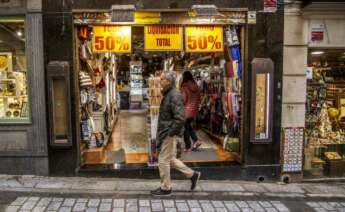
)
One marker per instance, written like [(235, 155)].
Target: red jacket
[(191, 98)]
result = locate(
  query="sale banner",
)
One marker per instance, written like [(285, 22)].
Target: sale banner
[(115, 39), (163, 38), (204, 38)]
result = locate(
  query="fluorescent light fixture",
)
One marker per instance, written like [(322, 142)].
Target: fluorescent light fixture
[(205, 10), (317, 52)]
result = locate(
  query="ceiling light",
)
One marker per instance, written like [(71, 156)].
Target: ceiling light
[(317, 52), (20, 33)]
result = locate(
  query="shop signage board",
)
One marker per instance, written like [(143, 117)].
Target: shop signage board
[(293, 149), (204, 38), (270, 6), (163, 38), (147, 17), (251, 19), (317, 32), (107, 38)]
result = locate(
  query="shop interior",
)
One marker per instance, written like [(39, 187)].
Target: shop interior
[(325, 113), (120, 97), (13, 77)]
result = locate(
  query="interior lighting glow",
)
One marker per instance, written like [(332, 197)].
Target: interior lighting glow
[(19, 33), (317, 53)]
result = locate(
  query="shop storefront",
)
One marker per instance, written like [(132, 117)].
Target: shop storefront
[(108, 67), (325, 132), (113, 90), (23, 143)]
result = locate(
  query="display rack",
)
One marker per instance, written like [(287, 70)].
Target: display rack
[(293, 149), (154, 95)]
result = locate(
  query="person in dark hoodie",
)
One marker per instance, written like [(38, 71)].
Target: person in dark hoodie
[(191, 99)]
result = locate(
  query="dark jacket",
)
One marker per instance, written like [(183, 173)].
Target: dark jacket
[(171, 116)]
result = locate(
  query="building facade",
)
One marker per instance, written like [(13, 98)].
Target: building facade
[(313, 54), (254, 150), (23, 116)]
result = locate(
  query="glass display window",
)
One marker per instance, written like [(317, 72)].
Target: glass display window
[(14, 98), (325, 112)]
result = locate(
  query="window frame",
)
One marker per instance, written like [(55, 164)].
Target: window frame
[(262, 66), (28, 120)]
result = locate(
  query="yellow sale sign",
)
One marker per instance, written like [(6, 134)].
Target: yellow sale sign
[(111, 39), (163, 38), (204, 38)]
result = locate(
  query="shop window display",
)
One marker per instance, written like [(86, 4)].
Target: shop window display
[(131, 82), (14, 105), (325, 114), (98, 106)]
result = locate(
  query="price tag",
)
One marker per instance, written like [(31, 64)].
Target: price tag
[(204, 39), (111, 39)]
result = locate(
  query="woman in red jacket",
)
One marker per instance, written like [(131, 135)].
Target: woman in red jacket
[(191, 97)]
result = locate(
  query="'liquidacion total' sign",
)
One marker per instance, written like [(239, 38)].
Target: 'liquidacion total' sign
[(163, 38)]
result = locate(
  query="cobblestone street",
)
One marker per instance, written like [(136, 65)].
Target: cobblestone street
[(37, 204), (144, 205)]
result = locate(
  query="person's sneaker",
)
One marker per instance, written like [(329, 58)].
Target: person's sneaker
[(187, 150), (161, 192), (197, 144), (195, 178)]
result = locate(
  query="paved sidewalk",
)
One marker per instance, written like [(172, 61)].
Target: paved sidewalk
[(35, 193), (28, 183)]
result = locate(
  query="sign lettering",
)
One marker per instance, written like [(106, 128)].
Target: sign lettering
[(204, 39), (163, 38), (115, 39)]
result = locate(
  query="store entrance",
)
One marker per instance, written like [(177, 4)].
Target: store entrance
[(120, 97)]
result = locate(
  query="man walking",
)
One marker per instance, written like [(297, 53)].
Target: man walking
[(170, 128)]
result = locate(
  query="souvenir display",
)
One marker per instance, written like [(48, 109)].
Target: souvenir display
[(136, 82), (325, 129), (132, 81), (154, 98), (96, 81), (221, 94), (293, 149), (13, 88)]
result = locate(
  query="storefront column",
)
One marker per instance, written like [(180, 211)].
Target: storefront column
[(294, 70), (37, 79)]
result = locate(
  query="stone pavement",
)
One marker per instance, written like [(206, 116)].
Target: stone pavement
[(36, 193), (140, 205), (38, 204), (30, 183)]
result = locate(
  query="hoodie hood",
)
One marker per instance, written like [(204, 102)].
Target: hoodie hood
[(191, 86)]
